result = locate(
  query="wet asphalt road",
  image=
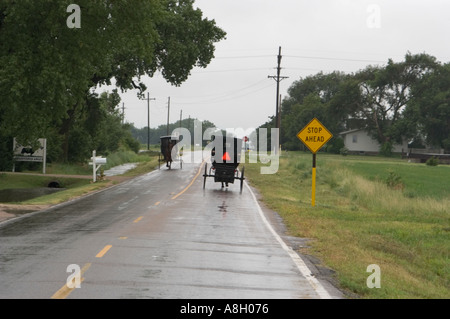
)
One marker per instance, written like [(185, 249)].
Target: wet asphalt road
[(157, 236)]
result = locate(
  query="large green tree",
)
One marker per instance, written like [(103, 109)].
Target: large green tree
[(314, 96), (48, 69), (399, 100), (385, 93), (429, 109)]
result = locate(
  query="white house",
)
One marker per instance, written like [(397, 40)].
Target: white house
[(360, 142)]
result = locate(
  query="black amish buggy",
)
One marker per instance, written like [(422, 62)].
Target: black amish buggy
[(225, 159), (167, 145)]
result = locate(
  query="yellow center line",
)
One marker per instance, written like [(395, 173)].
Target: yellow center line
[(103, 251), (138, 219), (65, 291), (192, 182)]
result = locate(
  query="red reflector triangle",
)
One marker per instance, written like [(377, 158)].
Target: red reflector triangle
[(226, 157)]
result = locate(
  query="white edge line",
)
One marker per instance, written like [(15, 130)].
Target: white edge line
[(298, 261)]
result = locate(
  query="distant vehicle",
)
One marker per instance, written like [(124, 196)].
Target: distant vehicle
[(167, 145), (225, 161)]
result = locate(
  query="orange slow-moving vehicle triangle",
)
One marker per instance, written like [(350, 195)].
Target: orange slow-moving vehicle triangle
[(226, 157)]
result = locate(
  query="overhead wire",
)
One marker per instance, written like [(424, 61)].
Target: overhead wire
[(224, 94), (239, 93), (228, 97)]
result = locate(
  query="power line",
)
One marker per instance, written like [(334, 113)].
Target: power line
[(333, 59), (225, 99), (224, 96), (229, 70), (244, 56)]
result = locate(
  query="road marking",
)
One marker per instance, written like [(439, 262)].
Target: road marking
[(192, 182), (103, 251), (157, 203), (298, 261), (65, 291), (138, 219), (123, 237)]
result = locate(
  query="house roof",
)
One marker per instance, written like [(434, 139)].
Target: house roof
[(351, 131)]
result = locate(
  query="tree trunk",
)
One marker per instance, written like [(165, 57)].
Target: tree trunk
[(65, 131)]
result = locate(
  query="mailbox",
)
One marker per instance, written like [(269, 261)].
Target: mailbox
[(100, 160)]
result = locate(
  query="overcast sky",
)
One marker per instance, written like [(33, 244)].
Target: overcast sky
[(234, 91)]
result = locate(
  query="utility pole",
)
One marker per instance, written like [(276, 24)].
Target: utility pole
[(189, 129), (279, 117), (148, 120), (168, 112), (181, 115), (123, 112), (278, 79)]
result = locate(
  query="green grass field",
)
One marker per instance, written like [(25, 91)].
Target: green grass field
[(369, 210)]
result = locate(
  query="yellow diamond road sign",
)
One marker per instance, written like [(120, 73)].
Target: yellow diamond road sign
[(314, 135)]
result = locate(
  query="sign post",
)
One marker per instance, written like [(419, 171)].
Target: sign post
[(97, 161), (314, 135)]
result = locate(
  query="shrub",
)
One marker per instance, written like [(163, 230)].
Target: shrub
[(386, 149), (343, 151), (432, 161), (394, 180), (335, 145)]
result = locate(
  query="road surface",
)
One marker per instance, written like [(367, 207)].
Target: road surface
[(160, 235)]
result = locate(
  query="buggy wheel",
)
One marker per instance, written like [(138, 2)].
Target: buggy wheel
[(204, 176), (242, 178)]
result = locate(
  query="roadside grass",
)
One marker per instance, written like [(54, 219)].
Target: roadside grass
[(419, 180), (113, 159), (34, 181), (75, 187), (359, 220), (82, 188), (123, 157), (146, 163), (68, 169)]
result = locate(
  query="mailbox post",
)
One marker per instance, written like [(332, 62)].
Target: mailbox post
[(96, 163)]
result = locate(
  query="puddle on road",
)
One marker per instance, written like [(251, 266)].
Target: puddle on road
[(223, 207)]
